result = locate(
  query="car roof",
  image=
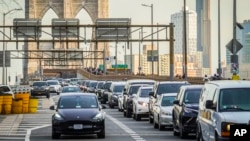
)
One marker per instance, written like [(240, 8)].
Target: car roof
[(146, 87), (169, 94), (77, 93), (192, 86), (230, 83), (173, 82)]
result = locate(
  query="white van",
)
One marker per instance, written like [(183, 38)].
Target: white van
[(222, 103)]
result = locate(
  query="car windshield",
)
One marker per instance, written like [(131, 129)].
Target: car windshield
[(77, 102), (100, 85), (118, 88), (133, 89), (167, 101), (234, 99), (107, 85), (92, 84), (70, 89), (39, 84), (4, 89), (168, 88), (192, 96), (53, 83), (145, 92)]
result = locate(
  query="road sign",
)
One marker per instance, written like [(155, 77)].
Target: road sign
[(7, 58), (113, 29), (63, 28), (27, 28), (230, 46), (154, 54)]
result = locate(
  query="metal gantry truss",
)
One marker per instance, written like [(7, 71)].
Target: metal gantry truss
[(77, 54)]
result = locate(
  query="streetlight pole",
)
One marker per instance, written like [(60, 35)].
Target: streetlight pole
[(3, 72), (152, 31)]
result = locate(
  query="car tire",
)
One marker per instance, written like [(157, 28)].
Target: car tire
[(155, 124), (137, 117), (102, 134), (55, 135), (183, 134), (199, 134), (124, 113), (48, 95), (150, 119), (159, 125)]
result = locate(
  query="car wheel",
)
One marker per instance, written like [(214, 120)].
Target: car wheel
[(151, 120), (124, 113), (199, 134), (102, 134), (183, 134), (155, 124), (137, 117), (174, 129), (47, 96), (55, 135), (134, 116), (159, 125), (128, 113)]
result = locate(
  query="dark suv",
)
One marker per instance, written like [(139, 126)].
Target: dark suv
[(162, 88), (185, 110), (40, 88)]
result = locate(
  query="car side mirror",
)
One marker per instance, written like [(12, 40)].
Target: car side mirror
[(151, 93), (134, 95), (176, 102), (210, 105), (52, 107)]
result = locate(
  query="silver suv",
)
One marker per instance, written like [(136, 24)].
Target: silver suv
[(222, 103)]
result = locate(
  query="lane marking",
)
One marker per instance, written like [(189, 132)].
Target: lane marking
[(27, 137), (132, 133)]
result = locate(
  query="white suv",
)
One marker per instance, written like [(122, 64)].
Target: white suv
[(222, 103), (54, 86), (140, 102)]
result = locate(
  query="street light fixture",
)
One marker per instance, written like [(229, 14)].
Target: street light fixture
[(3, 72), (152, 22)]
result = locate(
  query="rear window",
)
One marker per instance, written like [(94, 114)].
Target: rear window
[(168, 88), (192, 96), (145, 92), (39, 84)]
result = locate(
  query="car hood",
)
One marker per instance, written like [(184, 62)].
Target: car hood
[(167, 108), (236, 117), (144, 99), (78, 114), (194, 106)]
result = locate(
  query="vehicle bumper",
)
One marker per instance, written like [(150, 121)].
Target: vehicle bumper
[(189, 124), (88, 127), (166, 120), (142, 110)]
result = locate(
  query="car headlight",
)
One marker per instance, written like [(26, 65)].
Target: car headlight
[(142, 103), (99, 116), (58, 117), (225, 129)]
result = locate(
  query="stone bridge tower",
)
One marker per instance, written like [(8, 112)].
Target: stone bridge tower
[(63, 9)]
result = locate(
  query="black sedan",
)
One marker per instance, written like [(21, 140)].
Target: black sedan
[(78, 114)]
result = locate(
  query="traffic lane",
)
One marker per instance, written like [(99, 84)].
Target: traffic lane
[(144, 130), (113, 132)]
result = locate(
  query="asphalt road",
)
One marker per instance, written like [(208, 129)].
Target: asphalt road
[(37, 127)]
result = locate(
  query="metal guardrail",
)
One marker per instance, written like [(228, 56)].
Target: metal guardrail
[(192, 80)]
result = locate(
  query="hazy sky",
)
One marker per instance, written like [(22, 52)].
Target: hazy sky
[(141, 15)]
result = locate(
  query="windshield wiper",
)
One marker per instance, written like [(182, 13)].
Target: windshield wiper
[(233, 107)]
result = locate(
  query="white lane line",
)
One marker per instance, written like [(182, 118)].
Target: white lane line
[(27, 137), (132, 133)]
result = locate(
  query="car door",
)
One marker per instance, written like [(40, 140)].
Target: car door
[(157, 108), (176, 107)]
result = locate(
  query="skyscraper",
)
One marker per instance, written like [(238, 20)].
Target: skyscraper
[(204, 31), (244, 56)]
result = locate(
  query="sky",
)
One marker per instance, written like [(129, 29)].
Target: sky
[(162, 10)]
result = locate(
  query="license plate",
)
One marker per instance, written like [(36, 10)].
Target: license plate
[(78, 126)]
